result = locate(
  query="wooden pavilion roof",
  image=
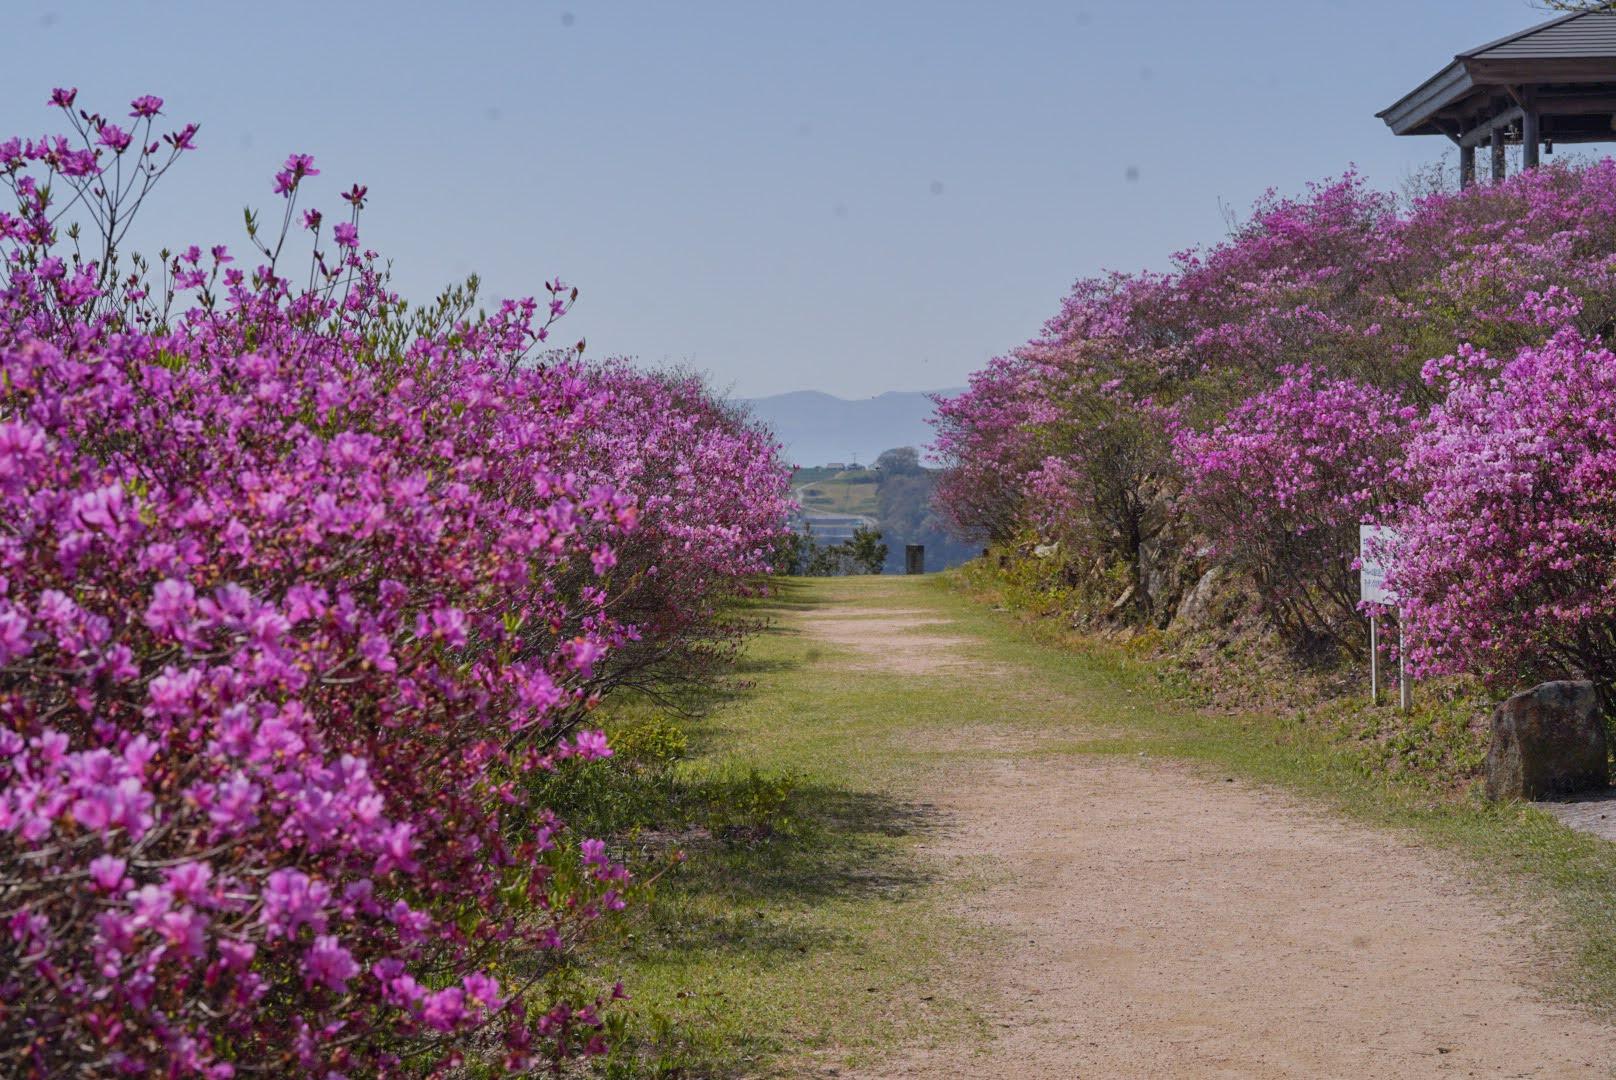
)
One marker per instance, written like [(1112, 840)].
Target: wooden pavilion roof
[(1564, 70)]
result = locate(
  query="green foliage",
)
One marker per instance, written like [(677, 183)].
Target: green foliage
[(1240, 667), (653, 743), (903, 461), (904, 509), (749, 806), (866, 551), (792, 553), (641, 789), (863, 554), (1080, 589)]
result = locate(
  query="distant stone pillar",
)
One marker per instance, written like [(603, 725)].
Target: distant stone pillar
[(914, 559), (1496, 141), (1530, 138), (1467, 166)]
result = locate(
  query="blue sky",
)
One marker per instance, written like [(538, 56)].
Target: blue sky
[(846, 196)]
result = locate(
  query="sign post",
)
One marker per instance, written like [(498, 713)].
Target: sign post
[(1374, 542), (1374, 660), (1405, 688)]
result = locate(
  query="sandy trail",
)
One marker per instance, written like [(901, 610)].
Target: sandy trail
[(1154, 922)]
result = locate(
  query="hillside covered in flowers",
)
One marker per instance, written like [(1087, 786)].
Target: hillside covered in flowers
[(1438, 364)]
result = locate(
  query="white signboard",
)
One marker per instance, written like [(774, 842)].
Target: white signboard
[(1375, 543)]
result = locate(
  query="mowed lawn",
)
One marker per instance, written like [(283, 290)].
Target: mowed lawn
[(819, 933)]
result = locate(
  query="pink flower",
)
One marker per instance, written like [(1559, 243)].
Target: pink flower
[(591, 746), (327, 963), (309, 586), (292, 900), (445, 1009), (292, 173), (171, 608), (107, 872), (115, 137), (583, 654), (449, 624), (482, 990), (183, 139), (14, 637)]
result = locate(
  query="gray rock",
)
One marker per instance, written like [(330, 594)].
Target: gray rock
[(1197, 602), (1549, 740), (1156, 571), (1161, 567)]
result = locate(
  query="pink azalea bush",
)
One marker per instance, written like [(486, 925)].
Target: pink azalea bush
[(1506, 562), (297, 586), (1251, 405), (713, 503), (1281, 484), (982, 436)]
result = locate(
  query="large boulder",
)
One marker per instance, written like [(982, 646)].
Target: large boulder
[(1549, 740)]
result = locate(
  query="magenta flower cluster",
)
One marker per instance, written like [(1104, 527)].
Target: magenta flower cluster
[(1437, 364), (297, 591), (1508, 559), (1279, 487), (713, 501)]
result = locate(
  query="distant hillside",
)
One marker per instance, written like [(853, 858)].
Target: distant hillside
[(819, 428)]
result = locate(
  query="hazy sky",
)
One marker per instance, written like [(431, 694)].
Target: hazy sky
[(846, 196)]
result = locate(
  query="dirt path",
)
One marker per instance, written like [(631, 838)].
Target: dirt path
[(1155, 922)]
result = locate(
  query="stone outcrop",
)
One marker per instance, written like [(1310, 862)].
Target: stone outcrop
[(1196, 607), (1165, 566), (1546, 741)]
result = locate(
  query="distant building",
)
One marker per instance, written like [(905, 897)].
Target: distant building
[(837, 465), (830, 528)]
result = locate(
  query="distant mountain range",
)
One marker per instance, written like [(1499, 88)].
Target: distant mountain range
[(819, 428)]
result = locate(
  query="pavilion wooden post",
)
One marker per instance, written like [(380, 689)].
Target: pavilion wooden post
[(1496, 142), (1530, 139), (1467, 166)]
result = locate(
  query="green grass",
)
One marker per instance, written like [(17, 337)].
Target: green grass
[(804, 929), (808, 928)]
